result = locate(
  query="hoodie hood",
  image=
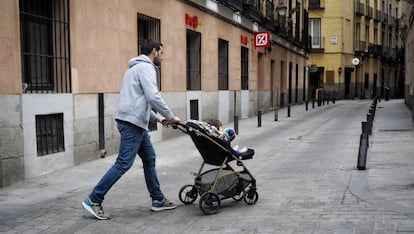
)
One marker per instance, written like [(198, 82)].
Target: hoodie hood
[(141, 58)]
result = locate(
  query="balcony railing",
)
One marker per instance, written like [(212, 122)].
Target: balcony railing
[(361, 47), (316, 44), (377, 15), (251, 9), (235, 5), (268, 20), (375, 50), (370, 12), (391, 21), (316, 4), (359, 8), (384, 18)]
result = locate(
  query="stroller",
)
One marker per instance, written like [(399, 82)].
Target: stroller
[(222, 181)]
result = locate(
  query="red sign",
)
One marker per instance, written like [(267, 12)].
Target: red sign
[(261, 39), (243, 40), (191, 21)]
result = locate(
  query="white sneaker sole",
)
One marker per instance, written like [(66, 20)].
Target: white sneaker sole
[(163, 208), (90, 210)]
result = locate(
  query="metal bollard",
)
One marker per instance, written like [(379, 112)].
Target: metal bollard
[(306, 104), (259, 119), (370, 123), (313, 103), (276, 114), (236, 124), (362, 154), (288, 110)]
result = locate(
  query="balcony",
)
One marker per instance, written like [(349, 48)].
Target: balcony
[(268, 20), (392, 21), (235, 5), (251, 9), (377, 16), (361, 48), (375, 50), (359, 8), (384, 18), (316, 44), (370, 12), (316, 4)]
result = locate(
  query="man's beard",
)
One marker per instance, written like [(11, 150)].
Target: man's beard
[(157, 62)]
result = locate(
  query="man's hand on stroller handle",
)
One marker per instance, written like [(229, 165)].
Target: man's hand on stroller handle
[(174, 120)]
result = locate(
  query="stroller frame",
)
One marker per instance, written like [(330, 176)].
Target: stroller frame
[(221, 182)]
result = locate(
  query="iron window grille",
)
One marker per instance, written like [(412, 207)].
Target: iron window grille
[(244, 68), (149, 28), (49, 134), (45, 52), (223, 64), (193, 60)]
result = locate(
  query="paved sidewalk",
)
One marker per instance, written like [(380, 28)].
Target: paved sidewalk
[(388, 180), (305, 166)]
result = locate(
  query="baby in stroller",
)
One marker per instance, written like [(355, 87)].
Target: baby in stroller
[(228, 134)]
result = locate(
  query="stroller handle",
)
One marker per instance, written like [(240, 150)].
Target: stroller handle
[(180, 126)]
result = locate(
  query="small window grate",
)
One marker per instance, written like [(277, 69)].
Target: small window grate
[(49, 134)]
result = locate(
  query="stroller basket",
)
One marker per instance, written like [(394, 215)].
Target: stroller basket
[(229, 183)]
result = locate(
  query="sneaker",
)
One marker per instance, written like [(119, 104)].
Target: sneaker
[(95, 209), (162, 205)]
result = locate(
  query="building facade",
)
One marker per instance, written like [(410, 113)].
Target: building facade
[(356, 48), (62, 63), (407, 26)]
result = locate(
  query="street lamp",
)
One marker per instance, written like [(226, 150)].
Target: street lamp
[(281, 8)]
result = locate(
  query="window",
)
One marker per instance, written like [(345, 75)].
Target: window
[(244, 68), (148, 29), (44, 33), (315, 32), (223, 65), (193, 60), (49, 134)]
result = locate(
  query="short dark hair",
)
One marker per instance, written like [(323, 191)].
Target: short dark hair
[(149, 45)]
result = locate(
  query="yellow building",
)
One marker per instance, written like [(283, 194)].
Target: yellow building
[(62, 62), (356, 49)]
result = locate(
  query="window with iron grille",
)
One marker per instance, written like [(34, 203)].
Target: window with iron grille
[(223, 64), (149, 28), (193, 60), (244, 68), (49, 134), (45, 53)]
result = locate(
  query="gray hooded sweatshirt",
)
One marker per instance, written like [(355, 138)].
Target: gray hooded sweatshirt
[(139, 94)]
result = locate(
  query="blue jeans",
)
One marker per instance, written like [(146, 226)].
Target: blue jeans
[(133, 140)]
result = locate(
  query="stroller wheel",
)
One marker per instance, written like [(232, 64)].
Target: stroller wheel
[(251, 196), (188, 194), (239, 197), (209, 203)]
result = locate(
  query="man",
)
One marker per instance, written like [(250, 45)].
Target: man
[(138, 96)]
